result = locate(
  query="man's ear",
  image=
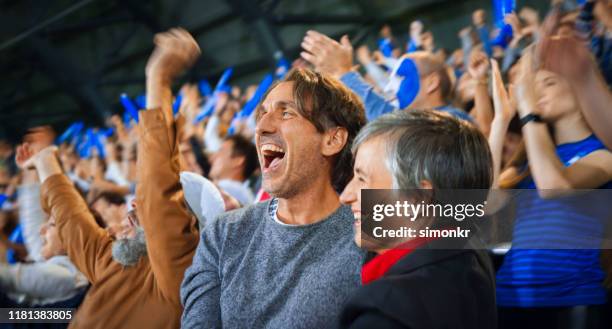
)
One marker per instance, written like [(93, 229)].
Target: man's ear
[(432, 83), (334, 141)]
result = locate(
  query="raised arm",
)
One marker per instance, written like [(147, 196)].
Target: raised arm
[(504, 112), (482, 112), (550, 175), (376, 73), (595, 99), (88, 246), (513, 51), (375, 105), (170, 230), (336, 58), (571, 59), (31, 214), (584, 22), (41, 280)]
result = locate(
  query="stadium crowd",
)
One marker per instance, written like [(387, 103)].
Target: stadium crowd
[(241, 208)]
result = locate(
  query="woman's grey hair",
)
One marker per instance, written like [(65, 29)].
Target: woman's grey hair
[(428, 145)]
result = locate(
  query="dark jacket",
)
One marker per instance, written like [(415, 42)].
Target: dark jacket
[(428, 288)]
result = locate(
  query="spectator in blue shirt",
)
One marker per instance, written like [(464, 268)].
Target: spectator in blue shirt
[(544, 277)]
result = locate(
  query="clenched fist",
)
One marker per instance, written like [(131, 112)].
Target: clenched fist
[(175, 51)]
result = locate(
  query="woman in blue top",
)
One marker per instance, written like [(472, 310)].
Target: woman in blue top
[(542, 279)]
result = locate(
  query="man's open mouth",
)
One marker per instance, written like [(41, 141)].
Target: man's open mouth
[(273, 155)]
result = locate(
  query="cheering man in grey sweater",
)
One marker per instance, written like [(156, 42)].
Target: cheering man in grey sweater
[(289, 262)]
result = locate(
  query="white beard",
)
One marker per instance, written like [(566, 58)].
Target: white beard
[(128, 251)]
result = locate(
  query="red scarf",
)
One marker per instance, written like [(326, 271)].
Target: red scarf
[(262, 196), (379, 265)]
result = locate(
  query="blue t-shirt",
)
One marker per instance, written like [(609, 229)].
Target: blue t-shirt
[(568, 272)]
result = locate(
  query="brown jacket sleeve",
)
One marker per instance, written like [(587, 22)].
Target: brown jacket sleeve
[(169, 228), (88, 245)]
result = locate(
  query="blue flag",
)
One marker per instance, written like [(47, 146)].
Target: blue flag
[(71, 131), (282, 67), (205, 88), (84, 149), (410, 85), (177, 103), (129, 106), (78, 140), (250, 106), (141, 101), (501, 8), (108, 132), (97, 143), (15, 237), (209, 106)]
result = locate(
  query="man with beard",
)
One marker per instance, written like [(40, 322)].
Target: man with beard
[(287, 262), (128, 288), (130, 243)]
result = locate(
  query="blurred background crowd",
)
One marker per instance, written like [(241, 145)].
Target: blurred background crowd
[(475, 73)]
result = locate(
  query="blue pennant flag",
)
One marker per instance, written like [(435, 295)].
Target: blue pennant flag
[(501, 8), (250, 106), (77, 141), (108, 132), (129, 106), (97, 143), (84, 147), (205, 88), (224, 79), (282, 67), (410, 85), (209, 106), (141, 101), (177, 103), (15, 237), (127, 118), (72, 130)]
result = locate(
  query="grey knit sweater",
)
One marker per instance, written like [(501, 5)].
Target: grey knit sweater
[(252, 272)]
